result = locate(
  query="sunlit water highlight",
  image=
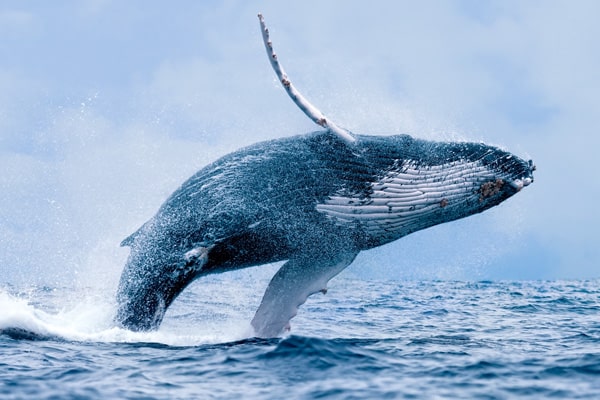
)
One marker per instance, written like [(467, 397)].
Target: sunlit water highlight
[(364, 339)]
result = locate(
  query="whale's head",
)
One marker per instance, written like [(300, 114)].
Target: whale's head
[(157, 270), (424, 183), (504, 175), (466, 178), (145, 291)]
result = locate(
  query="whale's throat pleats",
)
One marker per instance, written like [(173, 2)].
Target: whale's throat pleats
[(409, 198)]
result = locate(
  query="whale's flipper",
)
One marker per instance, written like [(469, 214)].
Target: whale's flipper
[(290, 287), (307, 108)]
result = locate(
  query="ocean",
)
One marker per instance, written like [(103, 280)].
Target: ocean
[(362, 340)]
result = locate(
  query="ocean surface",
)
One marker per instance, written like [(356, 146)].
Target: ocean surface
[(362, 340)]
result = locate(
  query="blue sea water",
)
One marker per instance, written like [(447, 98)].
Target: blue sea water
[(363, 339)]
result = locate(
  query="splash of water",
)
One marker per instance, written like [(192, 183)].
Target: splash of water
[(47, 314)]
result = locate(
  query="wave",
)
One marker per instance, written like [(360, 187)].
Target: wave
[(327, 350)]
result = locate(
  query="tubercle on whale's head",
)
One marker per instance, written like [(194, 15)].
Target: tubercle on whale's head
[(527, 178)]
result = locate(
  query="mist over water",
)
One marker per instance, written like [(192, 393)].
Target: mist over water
[(93, 144), (87, 179)]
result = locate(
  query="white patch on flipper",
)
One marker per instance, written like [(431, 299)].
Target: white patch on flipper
[(295, 281), (401, 200)]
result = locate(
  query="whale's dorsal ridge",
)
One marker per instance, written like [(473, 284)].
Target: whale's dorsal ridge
[(128, 241)]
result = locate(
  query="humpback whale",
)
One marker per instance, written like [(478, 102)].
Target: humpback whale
[(315, 201)]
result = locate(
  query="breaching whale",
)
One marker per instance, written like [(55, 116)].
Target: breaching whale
[(314, 201)]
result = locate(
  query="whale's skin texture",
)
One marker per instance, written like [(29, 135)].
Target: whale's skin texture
[(313, 200)]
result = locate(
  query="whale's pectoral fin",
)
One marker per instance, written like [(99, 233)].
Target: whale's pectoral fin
[(290, 287)]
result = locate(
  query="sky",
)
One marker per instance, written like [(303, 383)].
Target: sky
[(106, 107)]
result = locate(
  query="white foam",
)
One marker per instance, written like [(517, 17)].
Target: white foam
[(90, 319)]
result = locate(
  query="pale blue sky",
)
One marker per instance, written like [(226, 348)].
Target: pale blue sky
[(107, 106)]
